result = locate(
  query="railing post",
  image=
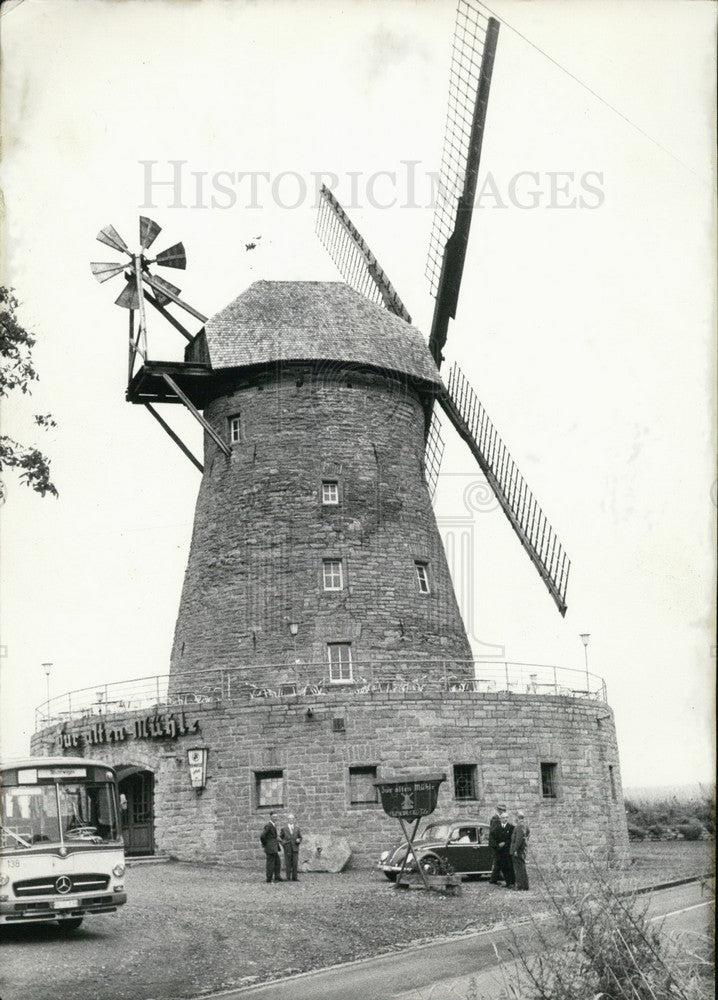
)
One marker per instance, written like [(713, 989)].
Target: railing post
[(157, 683), (506, 670), (555, 681)]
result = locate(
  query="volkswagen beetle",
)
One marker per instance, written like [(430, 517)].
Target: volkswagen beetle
[(463, 844)]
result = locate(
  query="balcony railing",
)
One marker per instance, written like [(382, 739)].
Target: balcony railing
[(312, 680)]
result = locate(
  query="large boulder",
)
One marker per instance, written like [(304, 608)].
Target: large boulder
[(321, 852)]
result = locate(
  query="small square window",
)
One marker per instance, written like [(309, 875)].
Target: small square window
[(422, 576), (549, 780), (332, 574), (330, 492), (361, 785), (235, 429), (340, 662), (465, 785), (270, 788)]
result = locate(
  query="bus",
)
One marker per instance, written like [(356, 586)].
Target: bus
[(61, 850)]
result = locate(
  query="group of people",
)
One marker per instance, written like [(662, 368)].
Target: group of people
[(508, 843), (287, 839)]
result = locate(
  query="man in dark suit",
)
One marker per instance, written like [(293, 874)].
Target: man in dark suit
[(505, 862), (290, 837), (269, 840), (496, 836), (519, 844)]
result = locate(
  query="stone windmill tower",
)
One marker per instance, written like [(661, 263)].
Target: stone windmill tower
[(316, 576)]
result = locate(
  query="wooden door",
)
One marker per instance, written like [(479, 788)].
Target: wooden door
[(138, 817)]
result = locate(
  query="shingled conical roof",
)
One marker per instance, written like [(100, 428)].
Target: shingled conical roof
[(314, 321)]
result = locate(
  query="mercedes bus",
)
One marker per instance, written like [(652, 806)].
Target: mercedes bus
[(61, 850)]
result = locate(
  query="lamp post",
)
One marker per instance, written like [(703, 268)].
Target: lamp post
[(585, 636), (47, 667)]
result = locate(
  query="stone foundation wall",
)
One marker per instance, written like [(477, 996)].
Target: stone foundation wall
[(505, 736)]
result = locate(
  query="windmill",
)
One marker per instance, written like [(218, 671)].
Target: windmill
[(281, 381)]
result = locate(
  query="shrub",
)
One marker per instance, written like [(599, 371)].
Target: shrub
[(636, 833), (691, 831), (603, 946)]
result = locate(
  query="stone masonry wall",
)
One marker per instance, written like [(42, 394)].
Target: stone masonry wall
[(506, 736), (261, 531)]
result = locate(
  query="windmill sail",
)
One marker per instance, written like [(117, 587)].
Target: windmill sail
[(149, 231), (173, 257), (433, 453), (475, 39), (526, 517), (104, 270), (353, 258)]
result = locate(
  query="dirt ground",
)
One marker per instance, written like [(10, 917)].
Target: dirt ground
[(190, 929)]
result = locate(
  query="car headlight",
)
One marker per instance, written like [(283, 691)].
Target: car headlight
[(4, 879), (384, 856), (118, 871)]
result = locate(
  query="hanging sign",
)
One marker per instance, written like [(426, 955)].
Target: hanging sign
[(197, 760), (409, 798)]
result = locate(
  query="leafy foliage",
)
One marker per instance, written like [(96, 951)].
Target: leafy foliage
[(668, 818), (17, 372)]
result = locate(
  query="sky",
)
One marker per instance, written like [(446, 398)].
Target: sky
[(586, 321)]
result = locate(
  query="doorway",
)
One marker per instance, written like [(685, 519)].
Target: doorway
[(137, 785)]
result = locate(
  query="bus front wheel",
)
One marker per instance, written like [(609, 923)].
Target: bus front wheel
[(70, 923)]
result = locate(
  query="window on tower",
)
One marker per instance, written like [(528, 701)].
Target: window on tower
[(422, 576), (330, 492), (361, 785), (340, 662), (549, 780), (235, 429), (465, 782), (332, 575), (269, 788)]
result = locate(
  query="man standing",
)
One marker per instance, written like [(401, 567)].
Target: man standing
[(290, 838), (505, 863), (270, 842), (519, 843), (495, 838)]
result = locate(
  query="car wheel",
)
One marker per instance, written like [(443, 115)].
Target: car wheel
[(70, 923), (430, 865), (391, 876)]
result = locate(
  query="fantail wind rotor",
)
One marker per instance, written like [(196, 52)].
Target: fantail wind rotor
[(139, 263)]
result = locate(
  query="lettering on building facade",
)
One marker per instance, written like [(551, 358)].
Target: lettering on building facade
[(152, 727)]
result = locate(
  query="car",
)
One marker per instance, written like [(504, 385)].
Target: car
[(463, 844)]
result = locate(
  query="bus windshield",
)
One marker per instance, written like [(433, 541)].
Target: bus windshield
[(67, 812)]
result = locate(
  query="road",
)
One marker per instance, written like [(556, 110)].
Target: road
[(442, 971)]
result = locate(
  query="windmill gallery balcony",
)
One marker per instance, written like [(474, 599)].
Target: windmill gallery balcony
[(312, 682)]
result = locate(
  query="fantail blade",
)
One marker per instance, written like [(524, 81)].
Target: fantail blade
[(128, 297), (112, 238), (105, 270), (163, 299), (149, 231), (173, 257)]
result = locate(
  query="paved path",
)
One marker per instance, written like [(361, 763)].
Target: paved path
[(444, 970)]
